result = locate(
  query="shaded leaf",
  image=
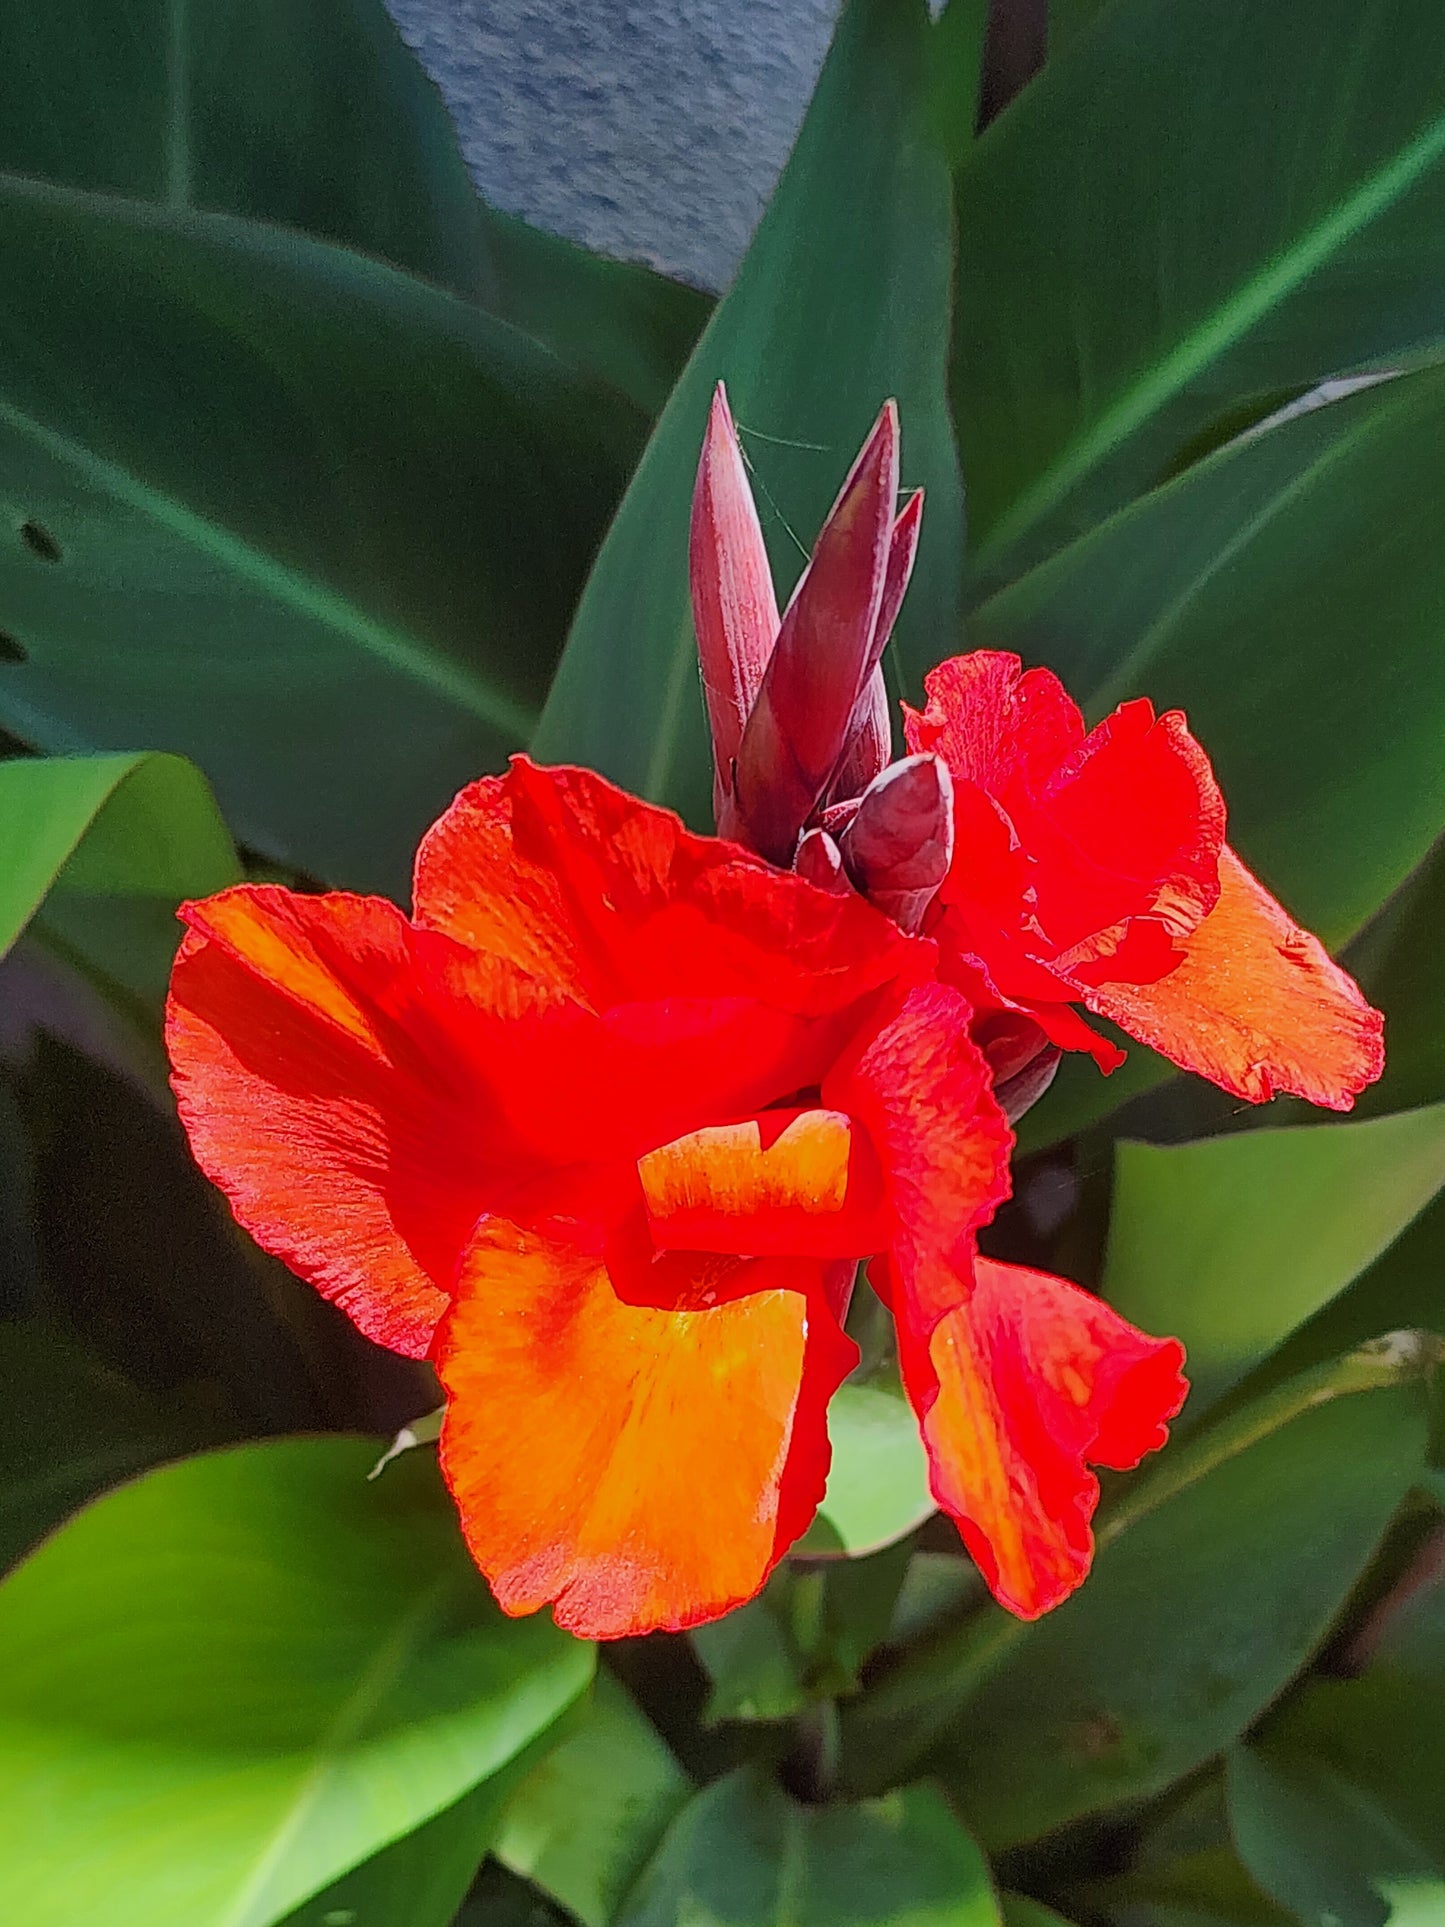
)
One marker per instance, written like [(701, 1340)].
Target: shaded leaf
[(585, 1820), (1147, 245), (233, 1680), (742, 1854), (353, 513), (315, 116), (841, 300)]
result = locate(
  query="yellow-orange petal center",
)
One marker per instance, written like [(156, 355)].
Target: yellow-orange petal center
[(799, 1183)]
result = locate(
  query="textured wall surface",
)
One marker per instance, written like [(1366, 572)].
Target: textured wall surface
[(648, 128)]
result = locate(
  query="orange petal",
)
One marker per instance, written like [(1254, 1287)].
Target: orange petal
[(635, 1466), (1257, 1006), (611, 900), (787, 1184), (325, 1059), (1019, 1390)]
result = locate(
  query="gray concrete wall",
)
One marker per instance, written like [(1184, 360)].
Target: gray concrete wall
[(651, 129)]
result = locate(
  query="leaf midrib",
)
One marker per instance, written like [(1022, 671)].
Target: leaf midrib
[(276, 580), (1216, 332)]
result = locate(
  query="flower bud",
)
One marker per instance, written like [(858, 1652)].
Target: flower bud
[(898, 847)]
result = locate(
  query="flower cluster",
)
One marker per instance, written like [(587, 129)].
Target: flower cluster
[(607, 1125)]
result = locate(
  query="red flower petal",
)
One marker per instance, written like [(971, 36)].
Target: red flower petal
[(923, 1092), (326, 1065), (1256, 1005), (635, 1465), (613, 900), (1019, 1389)]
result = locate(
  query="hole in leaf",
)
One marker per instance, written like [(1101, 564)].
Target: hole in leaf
[(40, 542), (11, 649)]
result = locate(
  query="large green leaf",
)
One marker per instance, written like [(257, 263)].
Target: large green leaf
[(878, 1480), (587, 1817), (1203, 204), (1232, 1242), (420, 1880), (231, 1681), (743, 1854), (311, 522), (1288, 593), (841, 301), (110, 825), (1215, 1580), (310, 113)]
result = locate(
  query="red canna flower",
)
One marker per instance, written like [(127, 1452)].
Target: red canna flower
[(602, 1129), (1090, 867)]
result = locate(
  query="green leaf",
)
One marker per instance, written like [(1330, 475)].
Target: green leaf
[(586, 1819), (320, 527), (316, 116), (420, 1880), (629, 326), (755, 1670), (1339, 1806), (1016, 1910), (1148, 246), (1068, 19), (878, 1481), (123, 825), (743, 1854), (1402, 969), (1246, 593), (841, 301), (235, 1679), (1215, 1579), (1232, 1242)]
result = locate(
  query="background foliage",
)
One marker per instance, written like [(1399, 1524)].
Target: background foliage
[(322, 487)]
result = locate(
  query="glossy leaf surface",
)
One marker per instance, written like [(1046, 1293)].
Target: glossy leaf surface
[(1203, 204), (110, 825), (743, 1854), (1232, 1242), (351, 513), (841, 301), (233, 1680)]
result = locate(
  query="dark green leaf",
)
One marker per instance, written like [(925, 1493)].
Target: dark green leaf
[(1016, 1910), (1232, 1242), (1402, 968), (1149, 244), (353, 514), (744, 1855), (1339, 1806), (755, 1669), (314, 115), (112, 825), (233, 1680), (1216, 1578), (623, 323), (585, 1820), (1068, 19), (841, 301)]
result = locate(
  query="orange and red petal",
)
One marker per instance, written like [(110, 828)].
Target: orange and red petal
[(788, 1183), (1257, 1005), (635, 1466), (1019, 1389), (332, 1068), (995, 723), (612, 900), (922, 1091)]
